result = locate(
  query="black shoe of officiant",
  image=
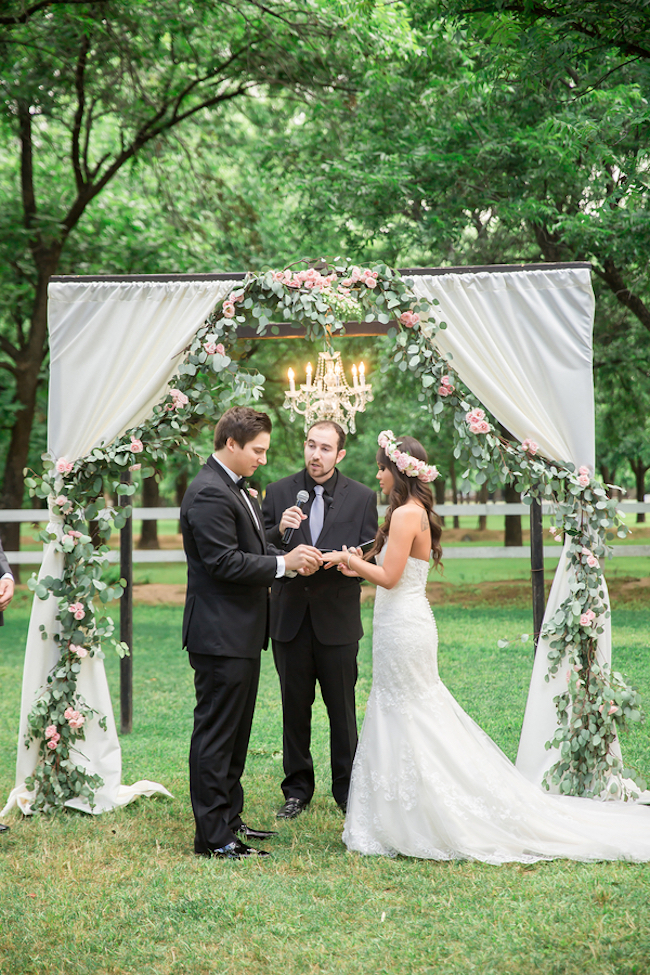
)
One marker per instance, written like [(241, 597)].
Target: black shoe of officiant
[(255, 834), (234, 851), (3, 828), (292, 808)]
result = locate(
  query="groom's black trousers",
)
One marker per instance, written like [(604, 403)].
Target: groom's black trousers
[(300, 663), (226, 688)]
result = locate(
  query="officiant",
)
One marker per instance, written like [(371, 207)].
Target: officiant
[(315, 621)]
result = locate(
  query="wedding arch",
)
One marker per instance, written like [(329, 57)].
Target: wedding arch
[(518, 339)]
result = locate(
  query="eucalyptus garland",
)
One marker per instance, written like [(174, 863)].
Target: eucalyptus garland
[(209, 380)]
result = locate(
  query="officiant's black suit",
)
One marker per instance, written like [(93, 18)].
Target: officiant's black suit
[(225, 628), (316, 628)]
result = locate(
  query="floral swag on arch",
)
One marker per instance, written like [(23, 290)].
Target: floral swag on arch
[(596, 705)]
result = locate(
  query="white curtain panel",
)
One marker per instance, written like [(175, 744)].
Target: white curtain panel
[(114, 348), (522, 342)]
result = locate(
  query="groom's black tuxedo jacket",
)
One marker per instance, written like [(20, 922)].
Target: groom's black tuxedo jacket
[(332, 598), (228, 568), (4, 568)]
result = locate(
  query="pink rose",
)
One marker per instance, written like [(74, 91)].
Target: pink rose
[(370, 282), (444, 391), (583, 480), (530, 447), (252, 492), (210, 347), (81, 651), (553, 530), (136, 446), (51, 731), (228, 309), (401, 461), (409, 318), (77, 721), (473, 416), (356, 273), (135, 467), (68, 713), (63, 466), (613, 709), (583, 470), (587, 618), (53, 742), (593, 562), (179, 399), (446, 381), (347, 283), (64, 503), (221, 349), (77, 610), (428, 476)]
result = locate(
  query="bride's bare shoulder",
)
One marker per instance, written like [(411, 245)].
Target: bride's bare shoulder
[(406, 513)]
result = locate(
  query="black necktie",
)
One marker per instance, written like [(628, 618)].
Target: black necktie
[(241, 484)]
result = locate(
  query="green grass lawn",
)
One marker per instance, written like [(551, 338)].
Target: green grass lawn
[(122, 893)]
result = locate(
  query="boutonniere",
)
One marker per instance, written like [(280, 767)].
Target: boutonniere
[(252, 492)]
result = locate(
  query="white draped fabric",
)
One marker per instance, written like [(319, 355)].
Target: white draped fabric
[(522, 342), (114, 348)]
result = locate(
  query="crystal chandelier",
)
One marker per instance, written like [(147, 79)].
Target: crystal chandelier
[(327, 396)]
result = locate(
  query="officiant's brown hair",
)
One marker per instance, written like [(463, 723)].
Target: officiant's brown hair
[(243, 424)]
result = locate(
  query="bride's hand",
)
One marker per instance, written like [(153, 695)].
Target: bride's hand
[(340, 560)]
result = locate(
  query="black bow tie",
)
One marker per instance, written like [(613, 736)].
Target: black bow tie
[(241, 484)]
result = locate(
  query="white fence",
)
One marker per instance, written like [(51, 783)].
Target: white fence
[(448, 510)]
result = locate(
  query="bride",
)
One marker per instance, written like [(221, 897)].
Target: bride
[(427, 781)]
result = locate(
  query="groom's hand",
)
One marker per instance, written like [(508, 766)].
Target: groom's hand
[(291, 518), (303, 557)]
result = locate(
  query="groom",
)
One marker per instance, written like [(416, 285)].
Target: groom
[(225, 625), (316, 622)]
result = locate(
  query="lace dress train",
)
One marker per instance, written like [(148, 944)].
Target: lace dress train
[(428, 782)]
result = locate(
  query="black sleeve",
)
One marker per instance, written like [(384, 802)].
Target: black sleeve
[(212, 517), (4, 564), (271, 517), (370, 521)]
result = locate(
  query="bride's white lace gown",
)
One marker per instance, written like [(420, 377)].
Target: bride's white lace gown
[(428, 782)]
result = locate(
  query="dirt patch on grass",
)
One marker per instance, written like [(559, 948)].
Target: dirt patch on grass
[(516, 592)]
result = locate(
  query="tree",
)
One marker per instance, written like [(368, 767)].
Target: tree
[(88, 89)]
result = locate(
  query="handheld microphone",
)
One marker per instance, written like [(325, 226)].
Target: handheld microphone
[(301, 498)]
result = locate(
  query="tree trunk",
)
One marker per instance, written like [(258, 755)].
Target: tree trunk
[(639, 469), (150, 499), (482, 499), (512, 535), (28, 367), (454, 487), (439, 488), (608, 476)]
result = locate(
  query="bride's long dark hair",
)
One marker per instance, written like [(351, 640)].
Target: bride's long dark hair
[(406, 489)]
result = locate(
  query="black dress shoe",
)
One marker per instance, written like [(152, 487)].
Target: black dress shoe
[(254, 834), (343, 806), (292, 808), (3, 828), (234, 851)]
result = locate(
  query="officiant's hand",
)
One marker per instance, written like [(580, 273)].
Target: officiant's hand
[(305, 558), (291, 518)]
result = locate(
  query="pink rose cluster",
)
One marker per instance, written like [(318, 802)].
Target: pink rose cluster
[(555, 532), (63, 466), (80, 651), (74, 534), (77, 610), (228, 309), (179, 399), (613, 708), (587, 618), (530, 447), (583, 476), (63, 503), (477, 422), (361, 275), (445, 388), (52, 736), (136, 446), (409, 318), (74, 718), (214, 348), (589, 558)]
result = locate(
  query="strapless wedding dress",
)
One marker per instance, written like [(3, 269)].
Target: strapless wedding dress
[(428, 782)]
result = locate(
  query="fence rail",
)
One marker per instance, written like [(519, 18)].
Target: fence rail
[(451, 551)]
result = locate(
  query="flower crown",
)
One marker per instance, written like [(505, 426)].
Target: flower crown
[(405, 463)]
